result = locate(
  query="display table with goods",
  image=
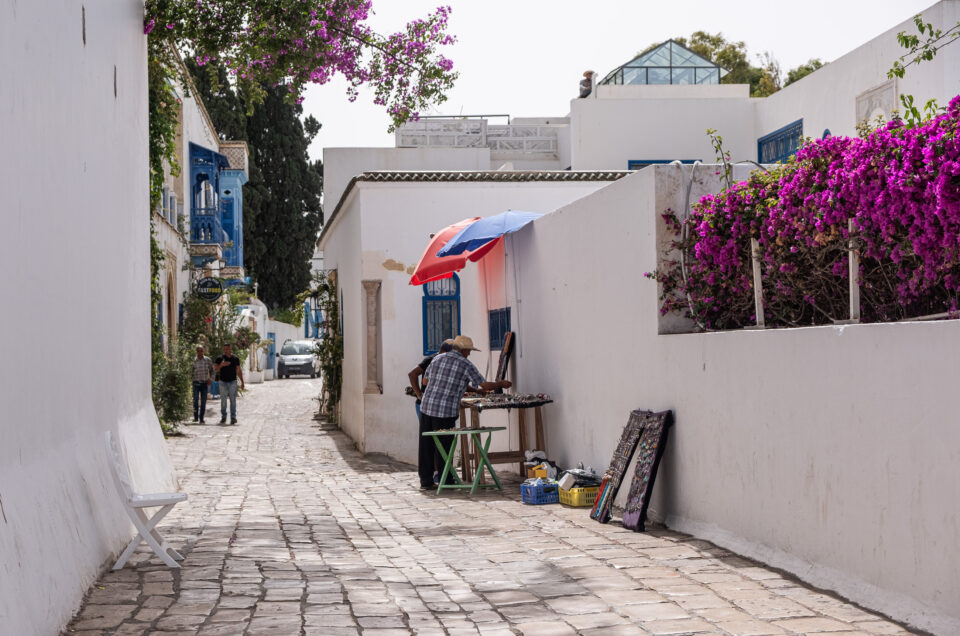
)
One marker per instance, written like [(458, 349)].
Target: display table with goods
[(480, 448), (504, 401)]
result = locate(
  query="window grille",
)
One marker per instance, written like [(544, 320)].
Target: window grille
[(779, 145), (441, 312), (499, 320)]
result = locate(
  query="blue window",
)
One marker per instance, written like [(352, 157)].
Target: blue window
[(499, 326), (441, 312), (780, 144), (826, 133)]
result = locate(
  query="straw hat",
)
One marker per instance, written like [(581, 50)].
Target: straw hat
[(465, 343)]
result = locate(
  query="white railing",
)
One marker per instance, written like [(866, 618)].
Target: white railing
[(443, 133), (475, 133), (523, 139)]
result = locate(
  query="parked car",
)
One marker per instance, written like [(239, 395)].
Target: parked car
[(297, 357)]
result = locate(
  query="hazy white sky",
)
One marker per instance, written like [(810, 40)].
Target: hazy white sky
[(525, 57)]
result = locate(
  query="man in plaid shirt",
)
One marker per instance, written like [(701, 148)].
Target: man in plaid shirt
[(448, 376), (202, 377)]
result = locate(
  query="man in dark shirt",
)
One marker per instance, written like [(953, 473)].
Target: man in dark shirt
[(228, 366), (425, 443), (419, 370), (449, 375)]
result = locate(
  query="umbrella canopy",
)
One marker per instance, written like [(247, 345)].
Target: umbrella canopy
[(433, 267), (485, 231)]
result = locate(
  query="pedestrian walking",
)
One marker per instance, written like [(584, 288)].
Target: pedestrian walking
[(202, 377), (228, 367), (448, 377)]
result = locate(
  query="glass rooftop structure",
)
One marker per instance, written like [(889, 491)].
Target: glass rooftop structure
[(669, 63)]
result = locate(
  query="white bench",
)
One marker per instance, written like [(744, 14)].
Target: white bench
[(134, 503)]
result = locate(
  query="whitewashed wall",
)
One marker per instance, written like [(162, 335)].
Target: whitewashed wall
[(283, 332), (380, 235), (342, 252), (830, 452), (340, 165), (659, 123), (827, 98), (74, 279)]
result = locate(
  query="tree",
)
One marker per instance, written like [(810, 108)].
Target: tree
[(280, 238), (281, 206), (764, 80), (803, 70), (921, 50), (287, 44)]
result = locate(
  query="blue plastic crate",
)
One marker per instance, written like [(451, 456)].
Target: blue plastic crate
[(548, 493)]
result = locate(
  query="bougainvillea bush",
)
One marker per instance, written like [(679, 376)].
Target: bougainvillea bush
[(294, 43), (900, 186)]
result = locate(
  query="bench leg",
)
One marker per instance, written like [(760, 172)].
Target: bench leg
[(146, 531)]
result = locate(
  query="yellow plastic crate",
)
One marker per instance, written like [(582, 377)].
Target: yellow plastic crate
[(579, 497)]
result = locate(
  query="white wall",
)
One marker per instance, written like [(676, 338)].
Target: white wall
[(283, 332), (342, 252), (827, 98), (659, 123), (340, 165), (830, 452), (393, 223), (73, 169)]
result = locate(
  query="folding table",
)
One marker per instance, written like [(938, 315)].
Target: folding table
[(480, 449)]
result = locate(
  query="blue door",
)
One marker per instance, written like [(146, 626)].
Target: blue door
[(272, 351)]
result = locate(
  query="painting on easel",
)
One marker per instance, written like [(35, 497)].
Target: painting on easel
[(505, 353)]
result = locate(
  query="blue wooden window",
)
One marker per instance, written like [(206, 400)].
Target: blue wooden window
[(441, 312), (780, 144), (499, 326)]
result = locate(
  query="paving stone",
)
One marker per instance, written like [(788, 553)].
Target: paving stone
[(103, 616), (615, 630), (879, 627), (592, 621), (683, 626), (290, 530), (808, 625), (749, 627), (655, 611), (584, 604), (181, 622), (547, 628)]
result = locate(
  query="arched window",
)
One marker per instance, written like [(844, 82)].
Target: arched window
[(441, 312)]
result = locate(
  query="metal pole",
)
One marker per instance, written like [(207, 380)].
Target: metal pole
[(757, 282), (854, 273)]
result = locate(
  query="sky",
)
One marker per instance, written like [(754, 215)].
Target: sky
[(525, 57)]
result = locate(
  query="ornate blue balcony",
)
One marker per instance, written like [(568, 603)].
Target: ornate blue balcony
[(206, 228)]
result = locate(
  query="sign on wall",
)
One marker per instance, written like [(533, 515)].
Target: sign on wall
[(209, 289)]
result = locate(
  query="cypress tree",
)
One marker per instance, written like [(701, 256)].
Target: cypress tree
[(281, 200)]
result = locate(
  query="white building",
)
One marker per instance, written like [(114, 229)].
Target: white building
[(198, 224), (374, 239), (75, 283), (836, 489)]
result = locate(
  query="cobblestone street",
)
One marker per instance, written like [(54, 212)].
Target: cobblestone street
[(288, 530)]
